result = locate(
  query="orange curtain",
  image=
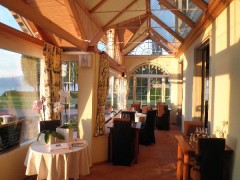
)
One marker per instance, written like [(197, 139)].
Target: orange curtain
[(52, 78), (102, 92)]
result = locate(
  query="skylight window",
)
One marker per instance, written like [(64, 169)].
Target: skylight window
[(7, 18)]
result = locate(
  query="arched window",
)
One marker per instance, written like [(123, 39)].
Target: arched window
[(149, 84)]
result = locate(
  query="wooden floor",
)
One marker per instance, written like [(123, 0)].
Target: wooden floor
[(157, 161)]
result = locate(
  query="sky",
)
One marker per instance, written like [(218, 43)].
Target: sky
[(9, 61)]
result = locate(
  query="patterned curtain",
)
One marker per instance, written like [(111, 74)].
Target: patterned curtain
[(52, 79), (102, 92)]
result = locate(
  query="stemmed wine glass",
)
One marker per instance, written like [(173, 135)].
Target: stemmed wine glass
[(198, 131), (204, 132)]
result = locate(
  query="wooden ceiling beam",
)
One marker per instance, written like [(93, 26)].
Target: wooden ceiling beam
[(97, 38), (201, 4), (133, 40), (86, 11), (214, 9), (160, 44), (178, 13), (125, 23), (163, 39), (120, 13), (71, 6), (97, 6), (125, 52), (167, 28), (135, 33), (29, 13)]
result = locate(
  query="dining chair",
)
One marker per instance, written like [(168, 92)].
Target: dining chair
[(128, 114), (49, 125), (145, 109), (190, 127), (122, 142), (146, 135), (136, 106), (209, 160), (163, 117)]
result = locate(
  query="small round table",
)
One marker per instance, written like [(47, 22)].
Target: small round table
[(59, 163)]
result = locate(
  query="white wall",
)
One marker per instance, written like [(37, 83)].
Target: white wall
[(224, 102)]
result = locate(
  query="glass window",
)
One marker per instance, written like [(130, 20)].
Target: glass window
[(70, 83), (19, 88), (112, 98), (152, 85)]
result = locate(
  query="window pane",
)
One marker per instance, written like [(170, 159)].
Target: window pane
[(70, 83), (19, 88)]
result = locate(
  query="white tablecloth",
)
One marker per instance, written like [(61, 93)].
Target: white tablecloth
[(139, 117), (62, 164)]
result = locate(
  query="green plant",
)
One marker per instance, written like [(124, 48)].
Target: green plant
[(50, 133)]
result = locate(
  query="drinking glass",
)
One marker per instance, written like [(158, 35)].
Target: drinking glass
[(205, 132), (198, 131)]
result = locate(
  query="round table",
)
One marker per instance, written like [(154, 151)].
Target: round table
[(59, 163)]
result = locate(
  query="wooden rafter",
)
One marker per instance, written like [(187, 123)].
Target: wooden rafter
[(19, 35), (121, 12), (29, 13), (214, 9), (75, 19), (127, 22), (134, 35), (97, 38), (167, 28), (97, 6), (163, 40), (148, 12), (160, 44), (178, 13), (132, 40), (201, 4), (86, 11)]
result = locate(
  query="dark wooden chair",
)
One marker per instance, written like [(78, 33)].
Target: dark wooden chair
[(128, 114), (209, 161), (146, 136), (49, 125), (122, 142), (163, 117)]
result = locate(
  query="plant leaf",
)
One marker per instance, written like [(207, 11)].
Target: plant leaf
[(57, 135), (47, 136)]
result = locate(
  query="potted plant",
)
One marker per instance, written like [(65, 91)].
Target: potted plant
[(65, 129), (48, 134), (40, 107)]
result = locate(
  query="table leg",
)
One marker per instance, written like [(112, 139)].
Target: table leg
[(179, 163), (186, 166), (110, 144)]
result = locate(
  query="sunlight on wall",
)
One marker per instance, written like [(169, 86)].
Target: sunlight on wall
[(221, 32), (221, 99), (234, 23)]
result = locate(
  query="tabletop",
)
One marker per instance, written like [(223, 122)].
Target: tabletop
[(60, 163)]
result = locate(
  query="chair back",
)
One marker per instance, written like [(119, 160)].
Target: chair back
[(210, 158), (128, 114), (49, 125), (122, 142), (145, 109), (190, 126), (136, 106), (161, 109), (147, 132)]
